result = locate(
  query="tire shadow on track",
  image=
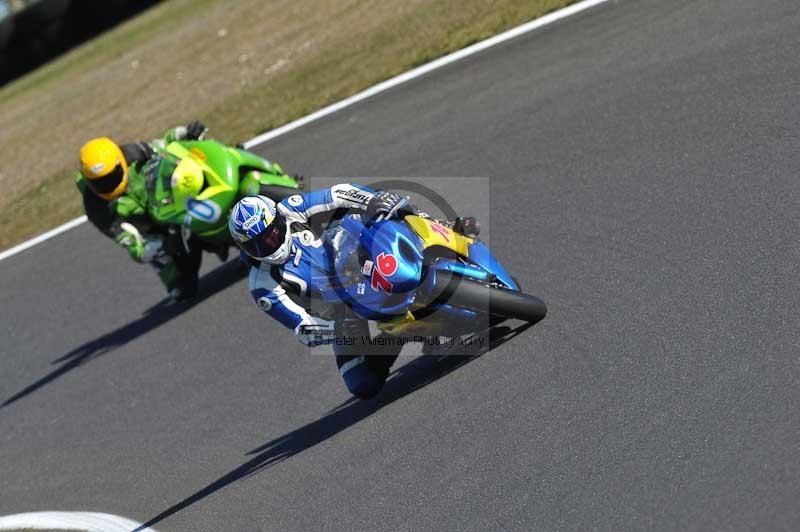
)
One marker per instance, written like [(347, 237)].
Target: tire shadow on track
[(215, 281), (407, 379)]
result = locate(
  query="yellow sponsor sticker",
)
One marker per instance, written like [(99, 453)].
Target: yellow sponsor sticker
[(198, 154)]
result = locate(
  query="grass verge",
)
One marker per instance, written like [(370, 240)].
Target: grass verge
[(243, 68)]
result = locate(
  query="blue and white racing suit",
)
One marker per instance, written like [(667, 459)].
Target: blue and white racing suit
[(282, 290)]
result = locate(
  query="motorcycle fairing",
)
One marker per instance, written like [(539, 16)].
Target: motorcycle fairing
[(400, 296), (221, 167), (376, 269), (433, 233)]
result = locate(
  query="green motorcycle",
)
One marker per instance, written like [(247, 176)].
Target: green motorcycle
[(192, 185)]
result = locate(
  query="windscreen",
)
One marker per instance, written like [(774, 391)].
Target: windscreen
[(158, 173)]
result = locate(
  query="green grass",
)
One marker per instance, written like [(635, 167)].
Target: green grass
[(102, 49), (42, 209), (275, 62)]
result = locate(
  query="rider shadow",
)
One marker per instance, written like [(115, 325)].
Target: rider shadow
[(215, 281), (407, 379)]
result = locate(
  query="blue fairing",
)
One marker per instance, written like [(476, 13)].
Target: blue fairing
[(387, 288), (377, 270), (480, 255), (395, 239), (465, 270)]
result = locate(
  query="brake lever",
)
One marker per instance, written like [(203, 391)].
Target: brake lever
[(397, 207), (386, 216)]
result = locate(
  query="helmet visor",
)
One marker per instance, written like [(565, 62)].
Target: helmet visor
[(267, 241), (109, 182)]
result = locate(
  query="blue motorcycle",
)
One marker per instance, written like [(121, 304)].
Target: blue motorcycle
[(416, 276)]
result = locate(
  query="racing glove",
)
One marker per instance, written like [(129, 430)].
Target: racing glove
[(313, 331), (384, 202), (140, 249), (196, 130)]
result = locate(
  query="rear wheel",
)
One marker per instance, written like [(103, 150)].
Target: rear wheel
[(462, 292)]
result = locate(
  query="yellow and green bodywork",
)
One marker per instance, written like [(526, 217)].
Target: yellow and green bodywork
[(228, 175)]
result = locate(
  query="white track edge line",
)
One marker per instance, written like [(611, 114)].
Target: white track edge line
[(426, 68), (88, 521), (41, 238), (371, 91)]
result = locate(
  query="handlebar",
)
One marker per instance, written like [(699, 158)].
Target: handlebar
[(386, 216)]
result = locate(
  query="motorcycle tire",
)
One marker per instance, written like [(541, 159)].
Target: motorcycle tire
[(466, 293)]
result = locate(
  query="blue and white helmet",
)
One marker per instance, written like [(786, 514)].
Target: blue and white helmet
[(258, 227)]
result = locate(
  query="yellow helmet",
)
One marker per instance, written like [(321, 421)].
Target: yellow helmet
[(104, 167)]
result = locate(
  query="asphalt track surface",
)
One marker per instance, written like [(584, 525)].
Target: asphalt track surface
[(644, 165)]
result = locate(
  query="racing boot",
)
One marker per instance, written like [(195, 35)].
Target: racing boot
[(167, 271), (383, 354), (179, 287), (186, 288)]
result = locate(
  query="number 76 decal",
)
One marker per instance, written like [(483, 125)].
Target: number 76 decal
[(386, 266)]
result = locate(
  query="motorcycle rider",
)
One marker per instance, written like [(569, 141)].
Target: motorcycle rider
[(277, 241), (273, 237), (114, 197)]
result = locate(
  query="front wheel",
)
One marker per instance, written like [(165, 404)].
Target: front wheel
[(462, 292)]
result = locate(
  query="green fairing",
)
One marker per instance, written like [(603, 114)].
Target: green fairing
[(229, 175), (252, 170), (207, 214)]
